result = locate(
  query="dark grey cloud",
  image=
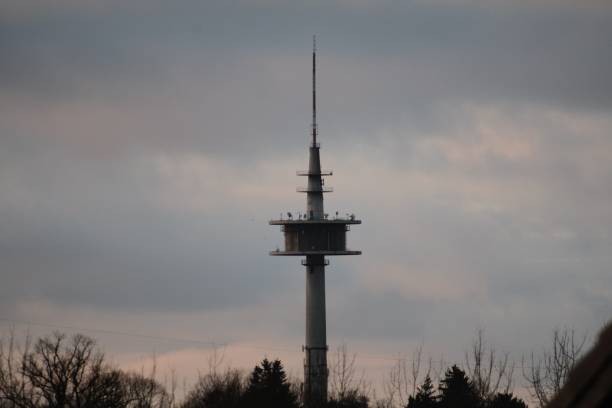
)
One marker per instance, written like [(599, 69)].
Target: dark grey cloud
[(199, 65), (83, 232)]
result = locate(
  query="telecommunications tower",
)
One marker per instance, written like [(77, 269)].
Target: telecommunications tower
[(315, 235)]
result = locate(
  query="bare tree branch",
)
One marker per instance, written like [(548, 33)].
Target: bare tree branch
[(404, 377), (491, 372), (547, 373)]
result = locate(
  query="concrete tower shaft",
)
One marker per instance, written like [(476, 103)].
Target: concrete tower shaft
[(315, 349), (315, 359), (314, 194)]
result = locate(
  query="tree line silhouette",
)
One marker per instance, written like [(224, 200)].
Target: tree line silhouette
[(58, 371)]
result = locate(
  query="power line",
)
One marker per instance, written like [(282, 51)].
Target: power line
[(114, 332), (206, 343)]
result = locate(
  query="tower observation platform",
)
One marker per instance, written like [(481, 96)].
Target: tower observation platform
[(314, 235)]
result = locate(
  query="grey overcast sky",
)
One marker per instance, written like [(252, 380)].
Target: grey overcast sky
[(145, 144)]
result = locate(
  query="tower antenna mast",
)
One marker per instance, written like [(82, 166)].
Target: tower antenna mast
[(314, 89)]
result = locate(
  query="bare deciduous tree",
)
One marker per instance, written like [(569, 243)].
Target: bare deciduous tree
[(145, 392), (172, 388), (545, 374), (215, 361), (71, 373), (222, 390), (491, 372), (438, 370), (57, 372), (14, 385), (396, 384), (216, 388), (383, 403), (404, 377), (343, 379)]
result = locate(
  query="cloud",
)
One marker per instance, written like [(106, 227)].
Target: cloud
[(142, 154)]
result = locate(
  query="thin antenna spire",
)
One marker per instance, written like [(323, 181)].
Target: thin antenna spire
[(314, 90)]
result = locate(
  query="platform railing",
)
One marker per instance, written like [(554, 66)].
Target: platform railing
[(300, 216), (308, 173), (314, 190)]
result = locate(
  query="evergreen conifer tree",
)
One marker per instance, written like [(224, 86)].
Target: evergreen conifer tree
[(268, 387), (457, 391), (351, 399), (425, 397), (506, 401)]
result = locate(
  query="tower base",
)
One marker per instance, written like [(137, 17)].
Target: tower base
[(315, 359), (315, 377)]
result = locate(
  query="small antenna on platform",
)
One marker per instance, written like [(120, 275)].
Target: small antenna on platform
[(314, 90)]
